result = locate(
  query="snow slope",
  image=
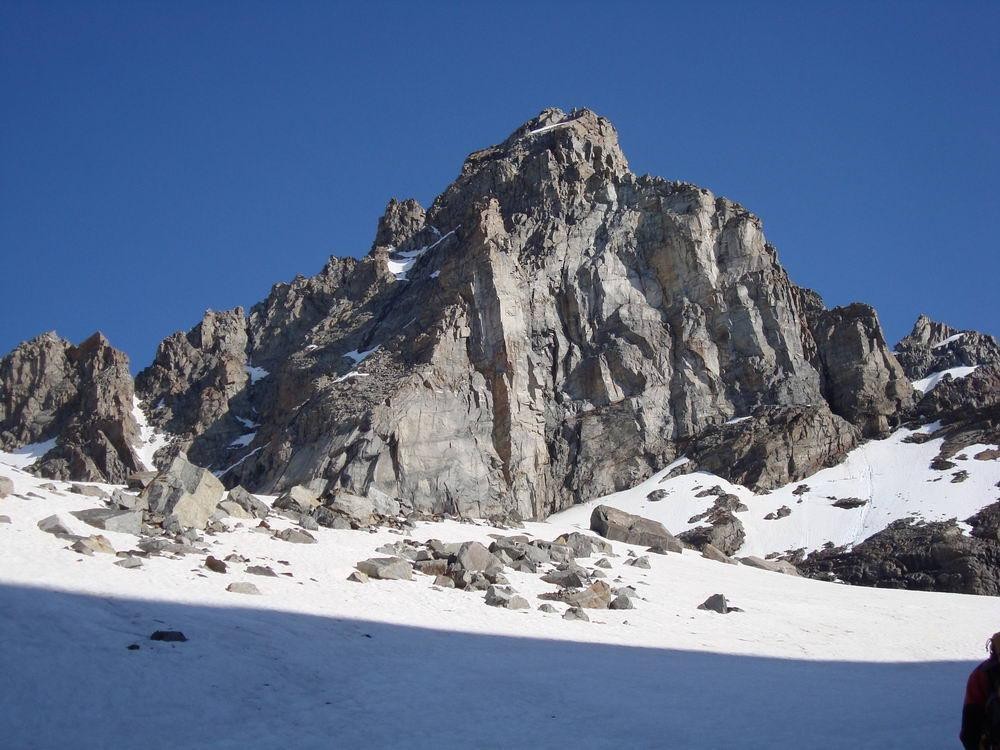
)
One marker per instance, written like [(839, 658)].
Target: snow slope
[(893, 477), (320, 662)]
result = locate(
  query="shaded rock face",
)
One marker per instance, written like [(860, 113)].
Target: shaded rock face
[(922, 556), (80, 395), (189, 388), (861, 379), (775, 446), (932, 347)]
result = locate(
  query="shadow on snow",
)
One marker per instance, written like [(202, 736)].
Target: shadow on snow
[(253, 678)]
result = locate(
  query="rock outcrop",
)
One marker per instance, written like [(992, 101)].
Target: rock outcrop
[(193, 382), (773, 447), (81, 397), (552, 328), (934, 556), (861, 379), (935, 347)]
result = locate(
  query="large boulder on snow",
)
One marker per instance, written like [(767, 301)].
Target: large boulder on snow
[(620, 526), (109, 519), (185, 494)]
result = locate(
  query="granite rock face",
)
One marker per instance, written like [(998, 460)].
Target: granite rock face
[(81, 396), (861, 379), (551, 329)]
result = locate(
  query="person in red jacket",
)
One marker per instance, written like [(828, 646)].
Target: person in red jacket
[(984, 680)]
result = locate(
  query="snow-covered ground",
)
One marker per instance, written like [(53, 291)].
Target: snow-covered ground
[(317, 661), (893, 477)]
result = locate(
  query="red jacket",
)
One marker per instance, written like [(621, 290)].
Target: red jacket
[(977, 691)]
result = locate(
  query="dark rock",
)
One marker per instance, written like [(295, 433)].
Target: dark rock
[(170, 636), (81, 396), (261, 570), (783, 512), (715, 603), (776, 446), (924, 556), (621, 601), (139, 480), (849, 503), (215, 565)]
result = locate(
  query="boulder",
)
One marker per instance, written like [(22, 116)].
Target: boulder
[(87, 490), (444, 582), (639, 562), (170, 636), (569, 578), (234, 510), (243, 587), (621, 601), (55, 525), (620, 526), (261, 570), (298, 499), (358, 577), (386, 568), (88, 545), (583, 545), (474, 557), (184, 493), (215, 564), (129, 563), (139, 480), (248, 502), (575, 613), (596, 596), (505, 596), (296, 536), (122, 521), (711, 552), (774, 566), (715, 603), (6, 486), (127, 501), (547, 608)]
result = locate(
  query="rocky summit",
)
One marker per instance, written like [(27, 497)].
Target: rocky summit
[(553, 328)]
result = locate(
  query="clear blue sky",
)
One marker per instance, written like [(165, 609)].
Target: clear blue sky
[(157, 159)]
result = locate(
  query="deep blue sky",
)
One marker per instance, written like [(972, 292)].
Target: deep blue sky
[(157, 159)]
